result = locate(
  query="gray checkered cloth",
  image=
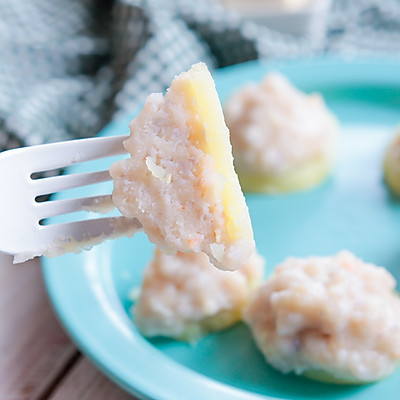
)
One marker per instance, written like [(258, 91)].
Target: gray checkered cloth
[(67, 67)]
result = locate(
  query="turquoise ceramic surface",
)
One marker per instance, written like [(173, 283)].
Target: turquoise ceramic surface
[(350, 210)]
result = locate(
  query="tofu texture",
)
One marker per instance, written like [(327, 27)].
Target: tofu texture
[(183, 296), (330, 318), (179, 181), (283, 140)]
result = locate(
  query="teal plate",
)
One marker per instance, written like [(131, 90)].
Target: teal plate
[(351, 210)]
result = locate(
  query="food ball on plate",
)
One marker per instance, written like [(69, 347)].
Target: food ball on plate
[(391, 166), (283, 140), (179, 181), (183, 296), (334, 319)]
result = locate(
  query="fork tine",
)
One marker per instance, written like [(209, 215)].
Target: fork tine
[(62, 154), (91, 228), (54, 240), (59, 183), (89, 232), (99, 204)]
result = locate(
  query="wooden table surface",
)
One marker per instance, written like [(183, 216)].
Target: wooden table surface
[(37, 359)]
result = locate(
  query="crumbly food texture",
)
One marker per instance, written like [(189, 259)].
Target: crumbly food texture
[(179, 181), (330, 317), (183, 296), (282, 139)]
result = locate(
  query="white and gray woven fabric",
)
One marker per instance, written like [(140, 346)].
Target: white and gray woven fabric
[(69, 66)]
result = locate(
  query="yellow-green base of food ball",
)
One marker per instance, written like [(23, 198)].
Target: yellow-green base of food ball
[(392, 176), (326, 377), (302, 178), (215, 323)]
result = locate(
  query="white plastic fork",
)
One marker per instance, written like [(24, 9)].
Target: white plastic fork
[(21, 233)]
